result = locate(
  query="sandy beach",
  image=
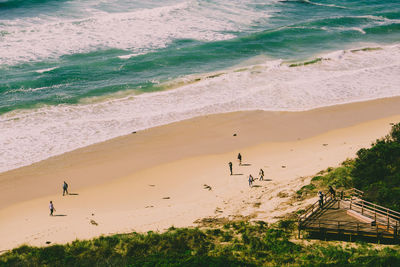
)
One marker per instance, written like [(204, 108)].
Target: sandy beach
[(178, 173)]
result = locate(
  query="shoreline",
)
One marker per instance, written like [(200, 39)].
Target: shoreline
[(342, 76), (155, 178)]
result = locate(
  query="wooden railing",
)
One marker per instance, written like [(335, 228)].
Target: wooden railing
[(385, 222), (355, 228), (327, 198), (314, 207), (352, 192), (379, 214), (349, 193)]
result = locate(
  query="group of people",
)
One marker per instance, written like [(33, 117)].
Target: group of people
[(65, 192), (261, 174), (321, 195), (251, 178)]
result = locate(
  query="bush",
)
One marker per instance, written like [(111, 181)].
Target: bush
[(340, 177), (377, 170)]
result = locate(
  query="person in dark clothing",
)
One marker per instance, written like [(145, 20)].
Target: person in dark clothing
[(65, 188), (230, 167), (251, 179), (240, 159), (321, 198), (261, 174), (332, 191)]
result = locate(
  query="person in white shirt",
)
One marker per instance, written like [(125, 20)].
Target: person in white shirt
[(51, 207)]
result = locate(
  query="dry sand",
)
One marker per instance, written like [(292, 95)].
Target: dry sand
[(153, 179)]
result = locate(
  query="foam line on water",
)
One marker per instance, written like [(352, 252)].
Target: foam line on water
[(339, 77), (326, 5)]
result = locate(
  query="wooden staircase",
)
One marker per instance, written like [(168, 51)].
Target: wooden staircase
[(348, 214)]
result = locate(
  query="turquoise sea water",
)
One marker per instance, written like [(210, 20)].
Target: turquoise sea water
[(76, 72)]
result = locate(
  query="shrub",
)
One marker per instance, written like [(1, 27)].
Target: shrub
[(377, 170)]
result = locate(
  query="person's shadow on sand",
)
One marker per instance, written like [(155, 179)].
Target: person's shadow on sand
[(59, 215), (73, 194), (245, 164)]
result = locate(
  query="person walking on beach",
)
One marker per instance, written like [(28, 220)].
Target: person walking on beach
[(251, 179), (261, 175), (240, 159), (230, 167), (51, 207), (65, 188)]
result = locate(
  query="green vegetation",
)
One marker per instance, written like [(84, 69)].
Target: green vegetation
[(340, 178), (366, 49), (306, 63), (377, 170), (232, 244)]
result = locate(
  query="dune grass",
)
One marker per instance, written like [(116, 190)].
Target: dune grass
[(239, 243)]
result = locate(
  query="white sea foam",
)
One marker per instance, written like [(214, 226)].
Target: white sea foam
[(23, 89), (327, 5), (139, 30), (358, 30), (343, 76), (130, 55), (46, 70)]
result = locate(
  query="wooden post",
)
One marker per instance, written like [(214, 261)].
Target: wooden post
[(351, 200), (375, 211), (362, 208), (319, 227), (388, 219), (395, 231)]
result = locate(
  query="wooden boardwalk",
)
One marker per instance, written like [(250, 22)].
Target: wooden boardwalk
[(351, 217)]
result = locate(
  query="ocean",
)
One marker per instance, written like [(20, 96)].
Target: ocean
[(78, 72)]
